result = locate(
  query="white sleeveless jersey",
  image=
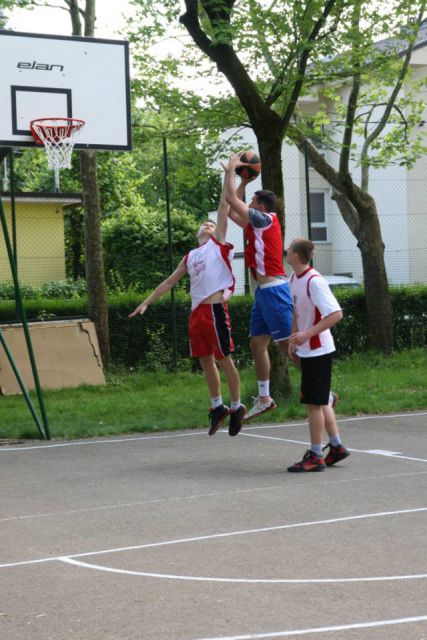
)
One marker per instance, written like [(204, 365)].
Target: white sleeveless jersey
[(209, 268), (313, 300)]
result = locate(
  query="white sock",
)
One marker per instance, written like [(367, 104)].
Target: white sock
[(263, 387), (317, 449), (335, 440), (235, 405), (216, 402)]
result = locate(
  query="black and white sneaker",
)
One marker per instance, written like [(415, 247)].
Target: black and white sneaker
[(236, 420), (217, 417)]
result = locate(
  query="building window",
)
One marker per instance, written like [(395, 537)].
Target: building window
[(319, 231)]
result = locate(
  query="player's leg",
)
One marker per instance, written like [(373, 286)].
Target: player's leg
[(211, 374), (201, 330), (232, 376), (218, 411), (315, 394), (337, 451), (237, 409)]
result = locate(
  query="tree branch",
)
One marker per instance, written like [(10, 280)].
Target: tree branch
[(392, 99), (228, 63), (302, 65)]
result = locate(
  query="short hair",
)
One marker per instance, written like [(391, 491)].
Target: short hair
[(304, 248), (268, 199)]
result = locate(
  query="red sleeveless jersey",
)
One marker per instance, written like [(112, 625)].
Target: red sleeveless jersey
[(264, 251)]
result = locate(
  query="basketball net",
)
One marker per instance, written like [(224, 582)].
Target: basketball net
[(58, 135)]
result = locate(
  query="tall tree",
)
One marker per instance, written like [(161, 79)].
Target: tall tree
[(264, 52), (96, 287), (377, 121), (274, 53)]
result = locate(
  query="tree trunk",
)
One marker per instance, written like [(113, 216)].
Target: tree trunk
[(97, 294), (365, 226), (378, 302), (76, 235), (270, 149), (359, 212)]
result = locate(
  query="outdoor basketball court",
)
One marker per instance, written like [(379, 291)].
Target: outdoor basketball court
[(178, 536)]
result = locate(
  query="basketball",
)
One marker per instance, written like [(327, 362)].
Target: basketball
[(253, 167)]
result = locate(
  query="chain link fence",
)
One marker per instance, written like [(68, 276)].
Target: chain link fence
[(43, 244)]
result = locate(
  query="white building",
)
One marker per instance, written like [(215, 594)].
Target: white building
[(399, 193)]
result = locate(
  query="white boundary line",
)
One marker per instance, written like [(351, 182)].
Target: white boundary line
[(38, 447), (70, 559), (168, 576), (342, 627), (383, 454)]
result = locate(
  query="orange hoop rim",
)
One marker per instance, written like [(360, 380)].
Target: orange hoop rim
[(72, 123)]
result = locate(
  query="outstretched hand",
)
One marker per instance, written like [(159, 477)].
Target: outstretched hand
[(140, 309), (235, 162)]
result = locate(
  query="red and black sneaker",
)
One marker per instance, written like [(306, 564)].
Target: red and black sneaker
[(236, 420), (217, 417), (336, 454), (310, 462)]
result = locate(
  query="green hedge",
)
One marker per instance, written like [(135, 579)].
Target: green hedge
[(146, 341)]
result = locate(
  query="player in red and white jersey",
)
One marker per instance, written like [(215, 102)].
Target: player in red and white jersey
[(211, 284), (311, 346), (271, 315)]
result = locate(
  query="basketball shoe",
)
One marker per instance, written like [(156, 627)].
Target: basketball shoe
[(217, 417), (310, 462)]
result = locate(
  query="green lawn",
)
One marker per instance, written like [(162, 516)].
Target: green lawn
[(141, 401)]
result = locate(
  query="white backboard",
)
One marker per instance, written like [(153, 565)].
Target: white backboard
[(59, 76)]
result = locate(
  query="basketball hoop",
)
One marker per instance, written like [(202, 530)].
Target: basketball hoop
[(58, 135)]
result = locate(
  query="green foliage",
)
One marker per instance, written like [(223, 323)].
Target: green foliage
[(136, 243), (67, 289), (141, 401), (146, 341)]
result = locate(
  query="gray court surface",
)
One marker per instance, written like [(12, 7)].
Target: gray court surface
[(178, 536)]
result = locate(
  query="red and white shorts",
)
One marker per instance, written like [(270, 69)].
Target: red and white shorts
[(210, 331)]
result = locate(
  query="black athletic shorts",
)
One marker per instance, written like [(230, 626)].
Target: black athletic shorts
[(316, 376)]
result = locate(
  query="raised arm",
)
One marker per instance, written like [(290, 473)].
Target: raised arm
[(163, 288), (222, 219), (239, 210)]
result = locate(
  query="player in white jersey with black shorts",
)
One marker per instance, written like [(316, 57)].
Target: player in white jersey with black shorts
[(311, 346), (211, 284)]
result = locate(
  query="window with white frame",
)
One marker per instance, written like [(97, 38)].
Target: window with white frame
[(319, 229)]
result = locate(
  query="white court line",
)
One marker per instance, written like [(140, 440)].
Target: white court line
[(4, 449), (371, 452), (37, 447), (171, 576), (341, 627), (213, 536), (198, 496)]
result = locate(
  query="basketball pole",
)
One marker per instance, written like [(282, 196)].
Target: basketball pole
[(21, 310), (22, 386), (170, 253)]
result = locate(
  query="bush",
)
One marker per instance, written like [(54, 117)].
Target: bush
[(135, 246), (51, 290), (145, 341)]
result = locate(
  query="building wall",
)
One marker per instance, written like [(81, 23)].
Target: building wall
[(40, 243), (417, 201)]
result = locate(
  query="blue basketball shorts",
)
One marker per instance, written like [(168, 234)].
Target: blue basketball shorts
[(272, 312)]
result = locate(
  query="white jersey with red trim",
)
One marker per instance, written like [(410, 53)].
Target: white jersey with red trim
[(209, 268), (313, 300)]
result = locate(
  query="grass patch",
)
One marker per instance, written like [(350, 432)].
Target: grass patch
[(145, 401)]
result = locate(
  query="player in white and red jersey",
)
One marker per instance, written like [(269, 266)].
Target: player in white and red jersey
[(311, 346), (211, 284), (271, 315)]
